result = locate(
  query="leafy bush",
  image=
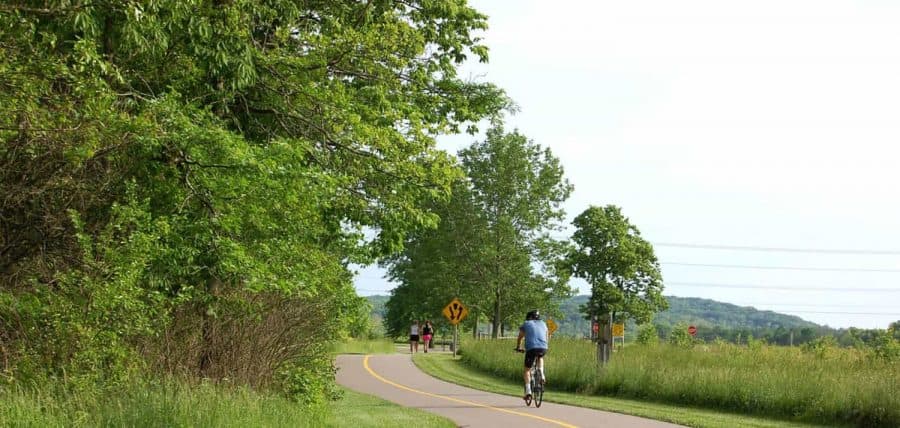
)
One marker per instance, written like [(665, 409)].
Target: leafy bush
[(679, 336), (886, 347), (648, 335)]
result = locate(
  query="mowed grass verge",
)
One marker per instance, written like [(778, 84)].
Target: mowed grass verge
[(454, 370), (353, 346), (179, 405), (830, 385)]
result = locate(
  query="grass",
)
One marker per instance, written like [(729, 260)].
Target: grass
[(831, 385), (179, 405), (361, 410), (352, 346), (454, 370)]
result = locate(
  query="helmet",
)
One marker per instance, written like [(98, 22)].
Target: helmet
[(533, 315)]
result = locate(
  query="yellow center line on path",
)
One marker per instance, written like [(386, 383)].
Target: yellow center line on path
[(377, 376)]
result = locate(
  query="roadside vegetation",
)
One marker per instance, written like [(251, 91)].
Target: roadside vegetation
[(186, 185), (817, 383), (364, 346), (174, 404), (454, 370)]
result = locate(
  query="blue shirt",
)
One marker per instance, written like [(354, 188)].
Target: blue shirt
[(535, 334)]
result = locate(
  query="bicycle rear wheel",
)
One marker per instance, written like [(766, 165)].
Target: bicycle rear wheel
[(530, 397), (537, 389)]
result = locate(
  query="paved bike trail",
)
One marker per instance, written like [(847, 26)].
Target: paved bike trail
[(395, 378)]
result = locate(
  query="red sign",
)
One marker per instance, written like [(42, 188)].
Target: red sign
[(595, 327), (692, 330)]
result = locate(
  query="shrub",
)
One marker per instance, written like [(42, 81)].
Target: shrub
[(648, 335), (680, 337)]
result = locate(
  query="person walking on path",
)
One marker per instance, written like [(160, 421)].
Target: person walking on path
[(427, 334), (414, 337)]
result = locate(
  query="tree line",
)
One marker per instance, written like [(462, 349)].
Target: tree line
[(496, 249), (185, 182)]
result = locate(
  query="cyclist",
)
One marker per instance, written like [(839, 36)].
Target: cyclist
[(534, 331)]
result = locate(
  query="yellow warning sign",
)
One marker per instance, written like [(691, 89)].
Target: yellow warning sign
[(551, 326), (618, 330), (455, 311)]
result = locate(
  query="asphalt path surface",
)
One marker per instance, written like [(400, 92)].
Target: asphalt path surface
[(395, 378)]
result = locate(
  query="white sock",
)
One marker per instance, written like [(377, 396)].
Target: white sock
[(527, 388)]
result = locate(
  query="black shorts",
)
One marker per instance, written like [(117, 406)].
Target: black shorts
[(413, 337), (532, 354)]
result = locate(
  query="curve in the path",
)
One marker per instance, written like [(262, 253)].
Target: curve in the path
[(397, 379)]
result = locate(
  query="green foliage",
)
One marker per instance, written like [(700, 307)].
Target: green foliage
[(170, 167), (648, 335), (179, 404), (680, 337), (378, 346), (309, 383), (886, 346), (844, 387), (491, 248), (821, 346), (359, 320), (618, 263)]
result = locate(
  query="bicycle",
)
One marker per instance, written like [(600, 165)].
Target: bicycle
[(537, 382)]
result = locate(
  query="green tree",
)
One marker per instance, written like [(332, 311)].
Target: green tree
[(492, 248), (618, 263), (621, 268), (192, 167)]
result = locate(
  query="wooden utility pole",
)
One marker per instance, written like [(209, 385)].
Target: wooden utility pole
[(604, 338)]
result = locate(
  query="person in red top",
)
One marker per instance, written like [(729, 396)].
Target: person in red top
[(427, 334)]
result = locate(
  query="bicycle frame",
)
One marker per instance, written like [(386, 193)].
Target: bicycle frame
[(537, 386)]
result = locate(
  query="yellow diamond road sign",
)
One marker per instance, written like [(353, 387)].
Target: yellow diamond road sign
[(618, 330), (551, 326), (455, 311)]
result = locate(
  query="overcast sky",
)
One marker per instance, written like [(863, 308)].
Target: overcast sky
[(770, 124)]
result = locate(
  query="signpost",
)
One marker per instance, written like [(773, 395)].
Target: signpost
[(618, 332), (551, 326), (692, 330), (455, 312)]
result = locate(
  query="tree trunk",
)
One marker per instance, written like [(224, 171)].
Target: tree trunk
[(213, 286), (604, 339), (496, 321)]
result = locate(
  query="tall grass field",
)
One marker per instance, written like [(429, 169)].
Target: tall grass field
[(175, 404), (832, 385)]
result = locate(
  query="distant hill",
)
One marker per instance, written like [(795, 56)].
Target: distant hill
[(712, 319), (693, 310), (378, 303)]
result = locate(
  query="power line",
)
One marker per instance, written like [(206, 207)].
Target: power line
[(776, 249), (789, 311), (813, 305), (773, 287), (816, 269)]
